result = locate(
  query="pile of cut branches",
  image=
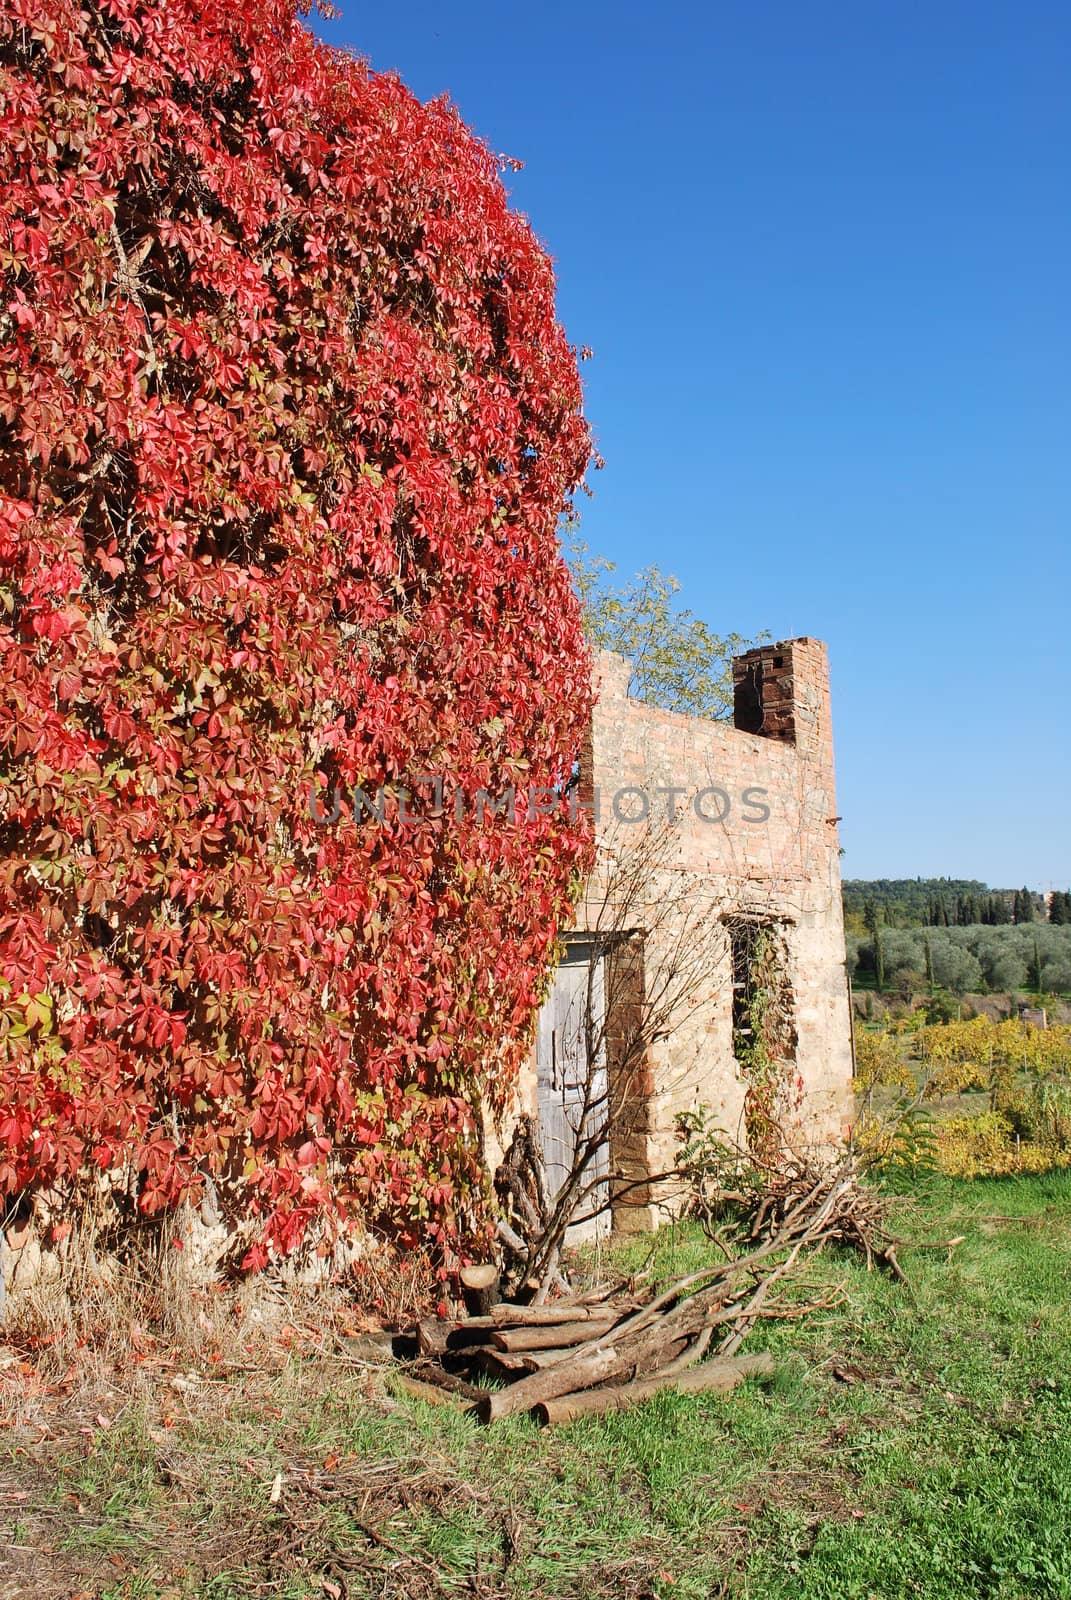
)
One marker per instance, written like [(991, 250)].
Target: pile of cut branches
[(607, 1348), (763, 1199)]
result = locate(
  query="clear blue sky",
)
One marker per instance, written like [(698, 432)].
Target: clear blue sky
[(823, 255)]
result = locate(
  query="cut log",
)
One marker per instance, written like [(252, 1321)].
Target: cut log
[(562, 1377), (474, 1330), (517, 1364), (434, 1335), (511, 1316), (536, 1360), (431, 1372), (479, 1285), (555, 1336), (431, 1336), (509, 1366), (661, 1357), (715, 1377), (598, 1361)]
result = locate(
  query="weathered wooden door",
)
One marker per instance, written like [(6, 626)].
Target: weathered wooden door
[(565, 1033)]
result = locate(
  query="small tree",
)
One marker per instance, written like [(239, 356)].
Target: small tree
[(678, 661)]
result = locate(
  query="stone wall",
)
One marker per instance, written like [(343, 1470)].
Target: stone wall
[(753, 835)]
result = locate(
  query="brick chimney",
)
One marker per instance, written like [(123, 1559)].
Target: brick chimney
[(781, 691)]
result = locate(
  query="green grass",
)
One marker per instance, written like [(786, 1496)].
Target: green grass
[(914, 1443)]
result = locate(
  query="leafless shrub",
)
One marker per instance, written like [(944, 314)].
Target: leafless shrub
[(656, 955)]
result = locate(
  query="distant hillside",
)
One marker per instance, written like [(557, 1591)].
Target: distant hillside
[(904, 935), (937, 903)]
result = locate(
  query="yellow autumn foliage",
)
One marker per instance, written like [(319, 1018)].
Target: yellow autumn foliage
[(1025, 1072), (879, 1060), (984, 1146), (984, 1043)]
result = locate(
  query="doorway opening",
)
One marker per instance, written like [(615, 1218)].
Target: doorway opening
[(573, 1082)]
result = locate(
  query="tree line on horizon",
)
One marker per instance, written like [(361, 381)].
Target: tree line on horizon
[(946, 903)]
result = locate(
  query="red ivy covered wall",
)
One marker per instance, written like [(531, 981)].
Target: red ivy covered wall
[(286, 426)]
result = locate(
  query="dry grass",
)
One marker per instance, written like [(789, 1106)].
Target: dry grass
[(131, 1406), (164, 1486), (300, 1475)]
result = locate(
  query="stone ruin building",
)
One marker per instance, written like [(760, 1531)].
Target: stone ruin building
[(733, 910)]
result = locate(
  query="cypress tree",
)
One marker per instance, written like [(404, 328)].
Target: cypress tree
[(872, 919), (1035, 968)]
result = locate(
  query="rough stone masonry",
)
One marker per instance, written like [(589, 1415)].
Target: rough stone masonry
[(752, 845)]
